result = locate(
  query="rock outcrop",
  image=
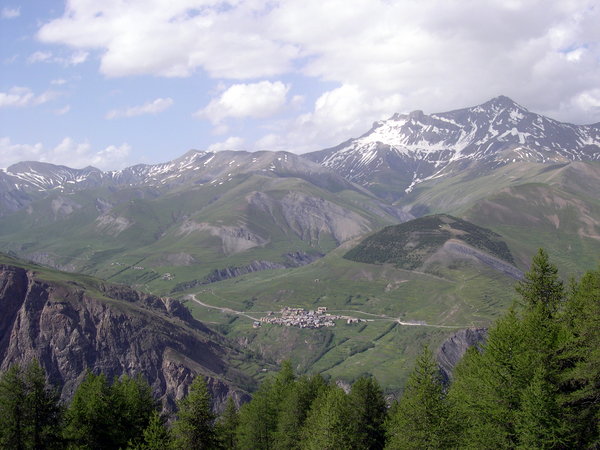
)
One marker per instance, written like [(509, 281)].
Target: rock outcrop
[(452, 349), (75, 326)]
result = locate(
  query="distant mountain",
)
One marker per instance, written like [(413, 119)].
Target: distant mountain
[(399, 153), (225, 214), (24, 182)]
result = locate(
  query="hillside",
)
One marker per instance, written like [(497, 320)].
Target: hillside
[(414, 243), (72, 324)]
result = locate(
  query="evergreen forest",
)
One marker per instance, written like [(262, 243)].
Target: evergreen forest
[(534, 383)]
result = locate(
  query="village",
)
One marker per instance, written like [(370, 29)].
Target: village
[(300, 317)]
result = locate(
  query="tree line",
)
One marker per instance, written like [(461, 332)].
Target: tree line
[(534, 383)]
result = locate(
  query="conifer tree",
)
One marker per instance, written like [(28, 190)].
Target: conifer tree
[(44, 413), (194, 427), (330, 424), (259, 417), (156, 435), (134, 404), (294, 409), (13, 421), (226, 426), (580, 380), (420, 418), (539, 422), (91, 417), (369, 410), (30, 412)]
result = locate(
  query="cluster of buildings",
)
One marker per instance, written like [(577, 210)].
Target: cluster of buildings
[(300, 317)]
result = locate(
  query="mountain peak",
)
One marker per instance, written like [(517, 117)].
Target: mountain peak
[(503, 102)]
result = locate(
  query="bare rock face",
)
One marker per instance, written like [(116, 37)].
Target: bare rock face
[(115, 331), (452, 349)]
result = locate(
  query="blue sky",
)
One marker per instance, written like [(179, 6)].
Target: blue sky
[(118, 82)]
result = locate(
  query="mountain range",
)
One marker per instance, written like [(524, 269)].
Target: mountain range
[(253, 232)]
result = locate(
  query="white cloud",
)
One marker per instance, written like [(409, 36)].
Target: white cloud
[(256, 100), (18, 96), (10, 13), (39, 57), (62, 111), (58, 82), (231, 143), (426, 55), (338, 114), (73, 59), (67, 152), (152, 107)]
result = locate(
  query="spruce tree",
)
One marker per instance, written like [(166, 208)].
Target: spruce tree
[(194, 427), (420, 418)]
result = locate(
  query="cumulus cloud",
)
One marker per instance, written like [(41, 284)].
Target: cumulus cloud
[(337, 115), (153, 107), (10, 13), (67, 152), (19, 96), (256, 100), (231, 143), (425, 55)]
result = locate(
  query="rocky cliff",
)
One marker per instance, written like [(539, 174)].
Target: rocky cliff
[(75, 326), (452, 349)]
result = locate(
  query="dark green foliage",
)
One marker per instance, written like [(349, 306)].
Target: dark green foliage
[(156, 436), (409, 244), (102, 416), (419, 420), (369, 409), (258, 418), (30, 414), (227, 424), (581, 356), (194, 428), (294, 409), (330, 423)]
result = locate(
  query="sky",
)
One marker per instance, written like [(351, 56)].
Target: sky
[(114, 83)]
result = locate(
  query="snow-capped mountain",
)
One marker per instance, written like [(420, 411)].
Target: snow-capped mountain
[(409, 148), (23, 182)]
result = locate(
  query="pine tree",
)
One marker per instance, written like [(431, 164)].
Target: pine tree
[(194, 427), (369, 411), (541, 286), (12, 409), (226, 426), (30, 413), (580, 379), (330, 424), (44, 413), (420, 417), (259, 417), (294, 409), (91, 417), (134, 404), (539, 423), (156, 435)]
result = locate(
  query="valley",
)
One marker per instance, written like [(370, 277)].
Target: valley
[(414, 231)]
